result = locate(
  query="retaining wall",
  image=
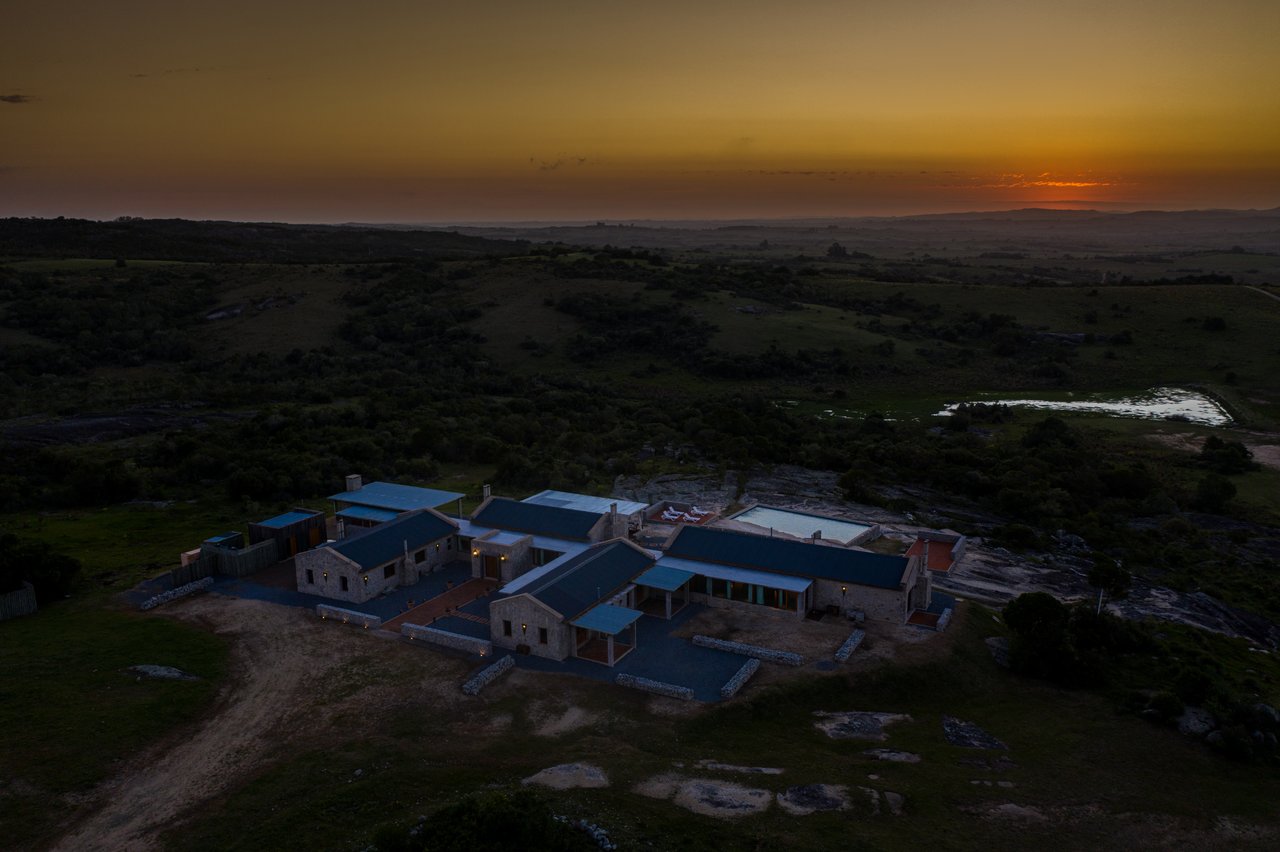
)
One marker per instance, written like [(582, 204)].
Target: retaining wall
[(850, 645), (769, 654), (657, 687), (488, 675), (736, 682), (348, 616), (456, 641), (174, 594)]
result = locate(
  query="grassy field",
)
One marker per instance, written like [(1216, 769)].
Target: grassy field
[(70, 713), (1089, 775)]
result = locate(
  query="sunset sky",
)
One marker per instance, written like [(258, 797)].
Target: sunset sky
[(418, 111)]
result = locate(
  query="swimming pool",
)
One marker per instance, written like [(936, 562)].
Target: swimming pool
[(802, 524)]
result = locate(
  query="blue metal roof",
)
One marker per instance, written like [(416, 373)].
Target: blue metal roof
[(402, 498), (507, 514), (607, 618), (784, 556), (286, 519), (385, 542), (368, 513), (768, 579), (664, 578), (593, 575), (585, 502)]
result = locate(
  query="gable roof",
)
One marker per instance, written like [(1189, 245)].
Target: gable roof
[(590, 577), (787, 556), (391, 495), (385, 542), (557, 522)]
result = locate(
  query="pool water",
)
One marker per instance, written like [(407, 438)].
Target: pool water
[(800, 524)]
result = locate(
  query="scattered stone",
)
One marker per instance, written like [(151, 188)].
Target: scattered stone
[(358, 773), (811, 798), (857, 725), (895, 801), (1015, 812), (1196, 722), (968, 735), (874, 796), (162, 672), (1268, 713), (721, 799), (729, 767), (1005, 784), (873, 777), (999, 648), (659, 786), (892, 756), (567, 776)]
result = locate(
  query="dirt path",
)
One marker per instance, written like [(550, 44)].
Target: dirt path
[(1263, 292), (278, 658)]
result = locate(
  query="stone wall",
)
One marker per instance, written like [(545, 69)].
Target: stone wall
[(18, 602), (174, 594), (850, 645), (736, 682), (348, 616), (488, 675), (446, 639), (515, 558), (768, 654), (657, 687)]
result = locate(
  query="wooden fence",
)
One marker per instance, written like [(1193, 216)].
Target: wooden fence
[(19, 602)]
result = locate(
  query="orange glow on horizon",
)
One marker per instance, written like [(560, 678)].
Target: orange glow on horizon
[(674, 110)]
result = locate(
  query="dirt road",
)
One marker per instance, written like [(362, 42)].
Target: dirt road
[(283, 665)]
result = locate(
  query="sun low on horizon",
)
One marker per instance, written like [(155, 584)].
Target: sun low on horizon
[(503, 111)]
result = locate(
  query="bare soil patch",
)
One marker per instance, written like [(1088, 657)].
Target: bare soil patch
[(293, 679)]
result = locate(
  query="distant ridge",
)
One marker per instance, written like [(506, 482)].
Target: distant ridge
[(233, 242)]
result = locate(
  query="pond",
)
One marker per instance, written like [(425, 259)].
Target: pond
[(1163, 403)]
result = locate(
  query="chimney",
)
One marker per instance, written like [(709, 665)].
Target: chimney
[(486, 492), (817, 536), (354, 482), (613, 509)]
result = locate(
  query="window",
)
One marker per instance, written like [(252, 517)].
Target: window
[(542, 635), (311, 577), (342, 583), (387, 572), (421, 556), (448, 544), (506, 627)]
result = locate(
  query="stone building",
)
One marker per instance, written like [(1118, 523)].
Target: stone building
[(583, 607), (726, 568), (395, 553), (510, 538)]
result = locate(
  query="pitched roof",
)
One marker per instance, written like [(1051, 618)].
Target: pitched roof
[(401, 498), (282, 521), (787, 556), (385, 542), (507, 514), (590, 577)]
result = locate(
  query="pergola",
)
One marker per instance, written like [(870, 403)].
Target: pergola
[(667, 580), (608, 621)]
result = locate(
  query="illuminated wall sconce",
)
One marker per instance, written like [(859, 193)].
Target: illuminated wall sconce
[(503, 557), (475, 553), (366, 579)]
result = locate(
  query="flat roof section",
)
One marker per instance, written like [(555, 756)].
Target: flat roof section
[(800, 524), (368, 513), (506, 539), (584, 502), (664, 578), (402, 498), (607, 618), (280, 521), (738, 575)]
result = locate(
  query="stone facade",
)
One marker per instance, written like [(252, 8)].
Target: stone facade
[(510, 558), (322, 571), (526, 617)]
